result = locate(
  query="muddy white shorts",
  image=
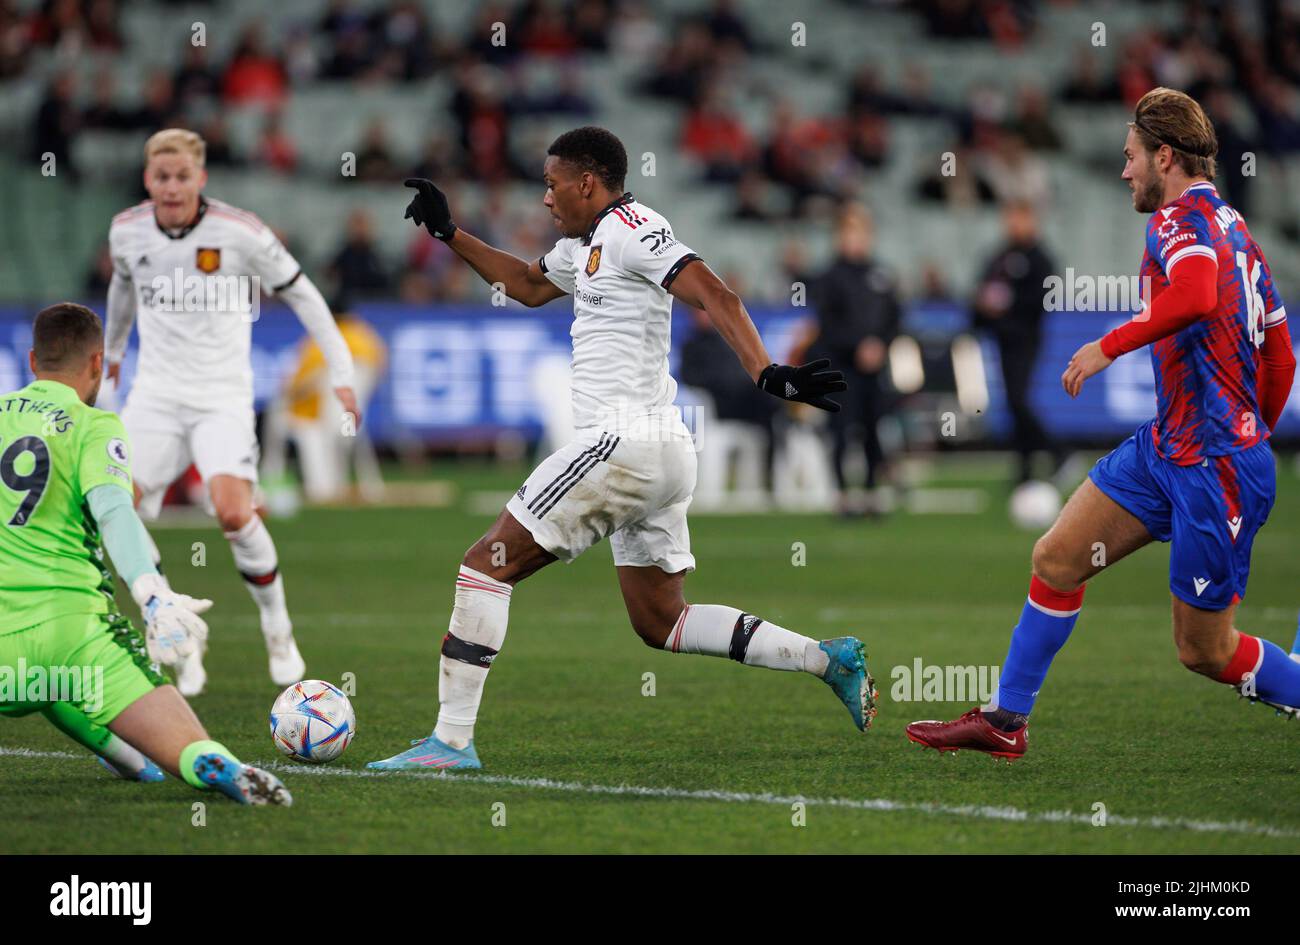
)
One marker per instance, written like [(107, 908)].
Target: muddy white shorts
[(602, 484), (166, 438)]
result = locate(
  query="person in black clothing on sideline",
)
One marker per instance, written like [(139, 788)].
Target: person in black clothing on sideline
[(703, 366), (858, 314), (1009, 304)]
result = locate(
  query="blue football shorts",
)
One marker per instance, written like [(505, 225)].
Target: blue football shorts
[(1209, 512)]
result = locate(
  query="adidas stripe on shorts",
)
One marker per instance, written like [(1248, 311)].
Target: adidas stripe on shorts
[(605, 485)]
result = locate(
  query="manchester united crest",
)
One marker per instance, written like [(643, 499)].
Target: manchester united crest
[(593, 261), (208, 260)]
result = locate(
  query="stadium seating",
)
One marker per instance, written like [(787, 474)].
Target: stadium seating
[(327, 119)]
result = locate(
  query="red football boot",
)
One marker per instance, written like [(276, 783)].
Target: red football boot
[(971, 730)]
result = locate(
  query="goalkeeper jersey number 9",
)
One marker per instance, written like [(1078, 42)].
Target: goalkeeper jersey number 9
[(53, 450)]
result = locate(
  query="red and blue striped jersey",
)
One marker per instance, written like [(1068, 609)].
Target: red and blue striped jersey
[(1206, 374)]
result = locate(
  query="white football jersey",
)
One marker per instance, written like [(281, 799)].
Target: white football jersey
[(196, 300), (618, 275)]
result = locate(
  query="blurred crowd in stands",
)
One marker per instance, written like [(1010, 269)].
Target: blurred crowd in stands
[(799, 166), (775, 173)]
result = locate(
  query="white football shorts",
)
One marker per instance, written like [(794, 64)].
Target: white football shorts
[(166, 438), (633, 491)]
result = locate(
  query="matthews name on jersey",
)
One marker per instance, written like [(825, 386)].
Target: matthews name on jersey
[(619, 275), (196, 299), (53, 450), (1206, 375)]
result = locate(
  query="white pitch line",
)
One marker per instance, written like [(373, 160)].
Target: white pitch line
[(33, 753), (982, 812), (978, 812)]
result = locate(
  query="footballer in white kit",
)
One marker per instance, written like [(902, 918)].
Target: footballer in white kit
[(190, 271), (629, 472)]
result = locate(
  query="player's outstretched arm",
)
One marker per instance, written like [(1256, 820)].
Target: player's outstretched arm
[(1191, 294), (697, 285), (121, 315), (1276, 354), (173, 627), (312, 310), (1278, 371), (522, 281)]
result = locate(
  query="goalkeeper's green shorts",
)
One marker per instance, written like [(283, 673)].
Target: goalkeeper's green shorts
[(95, 662)]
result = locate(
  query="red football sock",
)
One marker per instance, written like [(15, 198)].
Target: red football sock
[(1245, 660)]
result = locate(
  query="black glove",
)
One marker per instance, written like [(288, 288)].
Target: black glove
[(807, 383), (428, 208)]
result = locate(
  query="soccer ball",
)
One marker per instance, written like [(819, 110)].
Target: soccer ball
[(312, 721), (1034, 505)]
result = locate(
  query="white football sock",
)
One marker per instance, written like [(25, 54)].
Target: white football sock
[(123, 755), (475, 634), (257, 563), (718, 630)]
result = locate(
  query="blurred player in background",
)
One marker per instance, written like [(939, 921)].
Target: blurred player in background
[(1201, 474), (1009, 304), (67, 498), (629, 473), (742, 423), (312, 421), (179, 261), (858, 317)]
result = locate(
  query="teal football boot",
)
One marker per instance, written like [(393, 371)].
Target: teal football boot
[(848, 676), (150, 773)]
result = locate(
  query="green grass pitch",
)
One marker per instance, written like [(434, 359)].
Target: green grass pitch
[(568, 738)]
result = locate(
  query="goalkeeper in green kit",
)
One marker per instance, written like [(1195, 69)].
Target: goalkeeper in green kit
[(65, 488)]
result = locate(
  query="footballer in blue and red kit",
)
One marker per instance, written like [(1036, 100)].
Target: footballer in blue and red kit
[(1200, 475)]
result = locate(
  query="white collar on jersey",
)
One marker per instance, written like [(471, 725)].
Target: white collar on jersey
[(1199, 185)]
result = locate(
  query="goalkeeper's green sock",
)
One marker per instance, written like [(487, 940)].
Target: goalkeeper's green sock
[(193, 751), (74, 723)]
